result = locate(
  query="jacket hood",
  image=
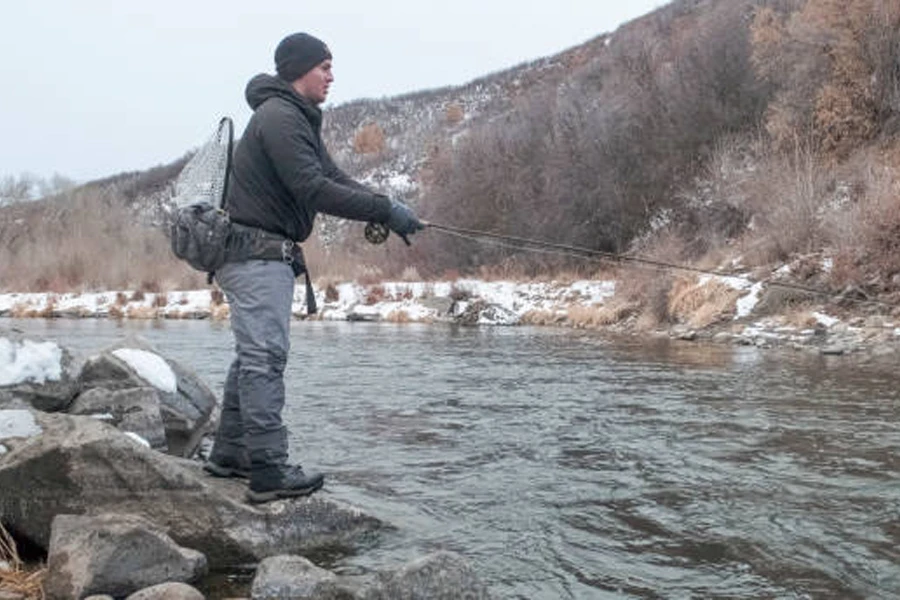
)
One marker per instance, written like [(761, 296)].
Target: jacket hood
[(263, 87)]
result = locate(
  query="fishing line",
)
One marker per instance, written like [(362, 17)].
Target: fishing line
[(541, 246)]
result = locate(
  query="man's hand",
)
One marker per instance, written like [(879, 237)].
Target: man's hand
[(403, 220)]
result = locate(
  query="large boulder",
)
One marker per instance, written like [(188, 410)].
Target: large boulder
[(438, 576), (36, 372), (288, 577), (67, 464), (135, 410), (186, 402), (114, 554)]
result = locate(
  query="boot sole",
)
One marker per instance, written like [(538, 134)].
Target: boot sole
[(225, 472), (263, 497)]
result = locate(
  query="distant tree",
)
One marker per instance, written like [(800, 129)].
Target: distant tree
[(17, 188), (835, 65)]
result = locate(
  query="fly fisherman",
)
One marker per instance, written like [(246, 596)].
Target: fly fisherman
[(281, 177)]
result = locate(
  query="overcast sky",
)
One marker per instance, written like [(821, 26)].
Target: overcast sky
[(92, 88)]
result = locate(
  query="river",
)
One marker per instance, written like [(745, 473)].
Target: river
[(565, 465)]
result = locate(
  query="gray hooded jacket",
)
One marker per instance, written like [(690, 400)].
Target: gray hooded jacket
[(282, 174)]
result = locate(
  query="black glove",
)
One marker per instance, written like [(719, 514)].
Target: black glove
[(403, 220)]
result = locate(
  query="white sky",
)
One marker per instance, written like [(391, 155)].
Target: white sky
[(92, 87)]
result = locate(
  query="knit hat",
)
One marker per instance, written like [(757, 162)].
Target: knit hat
[(297, 54)]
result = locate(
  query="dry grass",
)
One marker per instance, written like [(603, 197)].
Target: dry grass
[(18, 578), (700, 305), (615, 311)]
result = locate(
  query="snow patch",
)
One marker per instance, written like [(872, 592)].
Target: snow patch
[(18, 423), (150, 367), (747, 303), (824, 319), (29, 361), (136, 438)]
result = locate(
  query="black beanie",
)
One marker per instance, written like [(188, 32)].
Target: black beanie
[(297, 54)]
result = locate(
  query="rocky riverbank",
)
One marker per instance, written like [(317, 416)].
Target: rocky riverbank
[(720, 309), (100, 473)]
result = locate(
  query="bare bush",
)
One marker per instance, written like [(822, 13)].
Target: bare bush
[(85, 240), (369, 139)]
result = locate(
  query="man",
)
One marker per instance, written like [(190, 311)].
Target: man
[(281, 177)]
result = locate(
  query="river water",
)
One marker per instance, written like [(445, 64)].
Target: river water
[(571, 465)]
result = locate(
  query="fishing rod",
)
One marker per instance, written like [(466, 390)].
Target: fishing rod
[(377, 233)]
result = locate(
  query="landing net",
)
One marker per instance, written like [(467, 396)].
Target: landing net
[(204, 179)]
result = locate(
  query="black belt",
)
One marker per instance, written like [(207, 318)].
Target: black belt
[(253, 243)]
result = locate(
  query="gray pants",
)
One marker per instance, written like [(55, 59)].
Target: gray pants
[(260, 293)]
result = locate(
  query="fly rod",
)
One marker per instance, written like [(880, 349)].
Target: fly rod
[(377, 233)]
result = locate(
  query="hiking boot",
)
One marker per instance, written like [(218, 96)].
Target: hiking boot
[(226, 467), (283, 481)]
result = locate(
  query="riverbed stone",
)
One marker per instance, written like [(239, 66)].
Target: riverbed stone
[(288, 577), (51, 387), (439, 576), (135, 410), (115, 554), (186, 403), (82, 466), (167, 591)]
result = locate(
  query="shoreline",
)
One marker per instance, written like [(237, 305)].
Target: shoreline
[(580, 304)]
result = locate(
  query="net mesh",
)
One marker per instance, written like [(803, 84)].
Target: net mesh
[(204, 177)]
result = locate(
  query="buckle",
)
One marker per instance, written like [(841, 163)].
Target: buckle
[(287, 254)]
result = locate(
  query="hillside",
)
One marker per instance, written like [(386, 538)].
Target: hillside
[(730, 135)]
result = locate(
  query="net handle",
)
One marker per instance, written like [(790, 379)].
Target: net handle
[(227, 127)]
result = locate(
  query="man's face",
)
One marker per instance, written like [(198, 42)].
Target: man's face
[(314, 85)]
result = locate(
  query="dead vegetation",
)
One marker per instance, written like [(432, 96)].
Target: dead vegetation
[(731, 135), (16, 578)]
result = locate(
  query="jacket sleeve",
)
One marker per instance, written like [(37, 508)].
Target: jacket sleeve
[(291, 146)]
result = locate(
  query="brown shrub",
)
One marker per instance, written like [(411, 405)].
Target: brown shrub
[(216, 297), (454, 113), (369, 139), (375, 294), (331, 293)]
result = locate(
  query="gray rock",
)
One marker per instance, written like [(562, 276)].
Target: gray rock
[(186, 408), (167, 591), (135, 410), (439, 576), (52, 394), (440, 304), (78, 465), (114, 554), (288, 577), (99, 597)]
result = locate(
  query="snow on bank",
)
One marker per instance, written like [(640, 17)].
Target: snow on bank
[(467, 301), (150, 367), (29, 361), (407, 301), (17, 423)]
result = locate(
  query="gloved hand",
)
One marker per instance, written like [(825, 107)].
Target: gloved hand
[(403, 220)]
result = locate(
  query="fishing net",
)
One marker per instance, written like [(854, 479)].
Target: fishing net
[(204, 179)]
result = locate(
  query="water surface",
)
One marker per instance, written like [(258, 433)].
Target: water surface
[(569, 465)]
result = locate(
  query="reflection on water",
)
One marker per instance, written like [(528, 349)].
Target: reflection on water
[(566, 465)]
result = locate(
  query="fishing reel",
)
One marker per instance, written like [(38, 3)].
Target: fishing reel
[(377, 233)]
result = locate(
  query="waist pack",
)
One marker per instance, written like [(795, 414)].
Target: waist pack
[(200, 235), (205, 237)]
